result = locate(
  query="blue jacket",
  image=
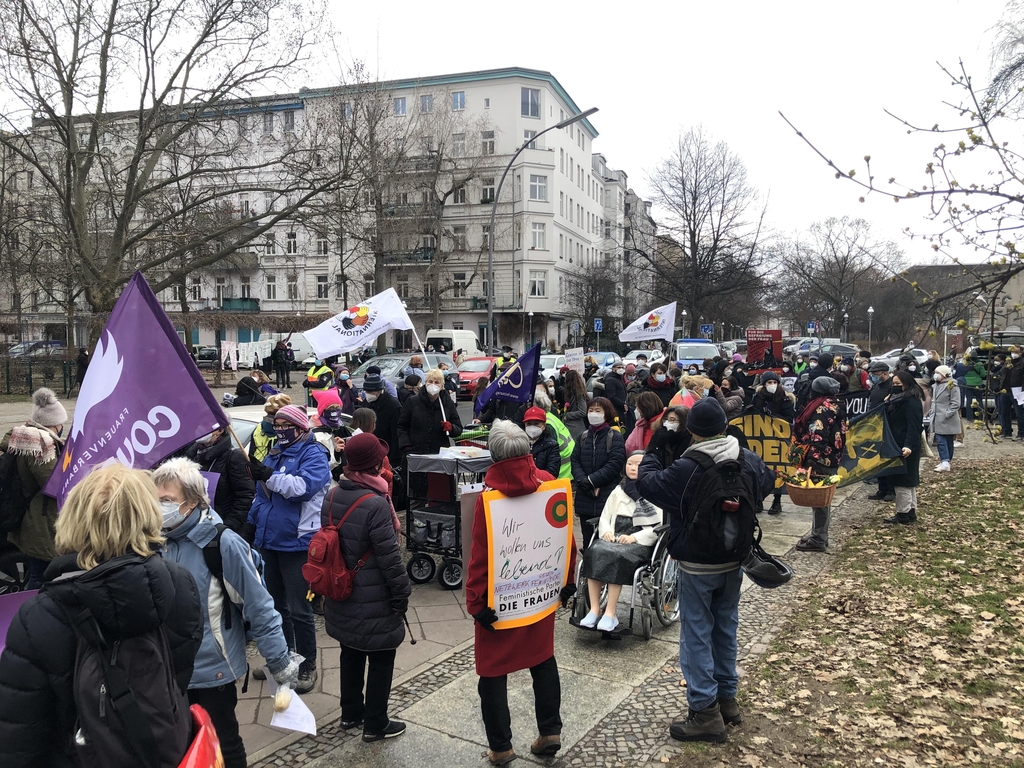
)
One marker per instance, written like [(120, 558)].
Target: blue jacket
[(672, 487), (286, 511), (221, 658)]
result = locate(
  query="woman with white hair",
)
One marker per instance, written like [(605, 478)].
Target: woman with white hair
[(499, 652), (232, 593), (945, 412)]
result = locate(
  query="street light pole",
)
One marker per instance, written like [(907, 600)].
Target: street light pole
[(531, 329), (871, 314), (846, 328), (494, 213)]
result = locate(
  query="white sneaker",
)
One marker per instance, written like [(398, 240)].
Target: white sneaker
[(957, 444), (590, 620), (942, 466), (607, 623)]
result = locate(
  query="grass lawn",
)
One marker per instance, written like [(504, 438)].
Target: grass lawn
[(910, 652)]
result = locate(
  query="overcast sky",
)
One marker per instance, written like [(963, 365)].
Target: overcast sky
[(654, 68)]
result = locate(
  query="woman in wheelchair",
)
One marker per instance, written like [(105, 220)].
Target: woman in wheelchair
[(625, 541)]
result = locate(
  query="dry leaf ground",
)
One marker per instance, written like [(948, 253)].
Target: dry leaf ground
[(910, 652)]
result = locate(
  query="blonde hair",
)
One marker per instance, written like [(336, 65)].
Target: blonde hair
[(112, 512), (185, 473), (435, 376), (261, 377), (276, 402)]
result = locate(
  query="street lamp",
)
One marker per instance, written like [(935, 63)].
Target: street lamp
[(846, 327), (871, 314), (531, 328), (494, 213)]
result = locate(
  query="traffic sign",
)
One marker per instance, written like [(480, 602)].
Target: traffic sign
[(707, 330), (810, 326), (597, 325), (576, 326)]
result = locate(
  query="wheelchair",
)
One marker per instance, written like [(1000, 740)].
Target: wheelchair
[(655, 591)]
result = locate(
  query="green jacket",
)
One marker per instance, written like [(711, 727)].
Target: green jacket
[(975, 376), (38, 527), (565, 446)]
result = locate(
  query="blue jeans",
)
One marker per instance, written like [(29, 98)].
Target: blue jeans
[(945, 445), (283, 571), (709, 610)]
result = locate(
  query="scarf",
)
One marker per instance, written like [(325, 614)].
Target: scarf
[(374, 483), (653, 383), (34, 440), (808, 412), (644, 513), (895, 400)]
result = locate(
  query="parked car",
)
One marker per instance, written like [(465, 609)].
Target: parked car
[(804, 343), (550, 364), (470, 372), (36, 349), (653, 356), (391, 366), (604, 359), (892, 357), (245, 418), (207, 357)]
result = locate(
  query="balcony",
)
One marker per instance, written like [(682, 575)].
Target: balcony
[(409, 258), (240, 305)]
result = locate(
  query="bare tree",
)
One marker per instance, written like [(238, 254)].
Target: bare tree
[(589, 293)]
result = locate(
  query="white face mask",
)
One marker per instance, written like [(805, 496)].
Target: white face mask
[(728, 371), (672, 426), (205, 439), (771, 388), (636, 414), (911, 367), (845, 368), (172, 514), (371, 396), (433, 389), (534, 432), (659, 377), (1015, 356), (937, 377), (551, 390), (693, 371), (813, 364), (595, 418)]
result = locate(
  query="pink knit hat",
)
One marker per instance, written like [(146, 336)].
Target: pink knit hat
[(295, 415)]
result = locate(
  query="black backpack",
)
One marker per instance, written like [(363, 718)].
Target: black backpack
[(720, 519), (215, 563), (130, 709), (13, 501)]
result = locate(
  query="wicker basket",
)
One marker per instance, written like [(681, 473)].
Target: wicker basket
[(803, 496)]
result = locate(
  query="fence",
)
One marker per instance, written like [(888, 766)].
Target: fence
[(24, 375)]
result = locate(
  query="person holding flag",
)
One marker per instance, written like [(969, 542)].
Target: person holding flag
[(506, 397), (425, 424)]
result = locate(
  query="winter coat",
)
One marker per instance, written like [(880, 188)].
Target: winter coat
[(615, 390), (620, 505), (388, 409), (36, 462), (280, 357), (221, 658), (545, 453), (81, 366), (820, 439), (669, 446), (347, 395), (1016, 368), (575, 417), (507, 650), (671, 488), (263, 439), (664, 390), (503, 409), (235, 489), (975, 375), (598, 461), (565, 446), (732, 403), (906, 420), (128, 595), (945, 410), (879, 392), (419, 424), (286, 511), (366, 621), (782, 404)]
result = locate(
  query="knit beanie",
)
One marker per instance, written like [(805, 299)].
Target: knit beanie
[(825, 385), (295, 415), (276, 403), (706, 419), (46, 409)]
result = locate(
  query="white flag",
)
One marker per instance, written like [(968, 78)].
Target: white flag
[(659, 323), (358, 325)]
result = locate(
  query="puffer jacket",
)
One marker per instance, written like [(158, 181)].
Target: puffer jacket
[(419, 424), (975, 375), (221, 658), (945, 408), (367, 620), (597, 463), (545, 452), (732, 403), (235, 489), (35, 536), (388, 409), (286, 511), (615, 390), (129, 596)]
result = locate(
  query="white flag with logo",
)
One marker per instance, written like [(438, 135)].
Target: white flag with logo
[(360, 324), (659, 323)]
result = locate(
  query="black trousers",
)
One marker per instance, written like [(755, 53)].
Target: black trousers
[(547, 694), (373, 711), (220, 703)]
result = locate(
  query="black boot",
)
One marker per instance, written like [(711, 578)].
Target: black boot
[(912, 514), (776, 506), (730, 711), (701, 725), (903, 518), (877, 495)]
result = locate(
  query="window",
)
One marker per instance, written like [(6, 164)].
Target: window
[(488, 143), (459, 238), (400, 106), (346, 110), (177, 291), (268, 202), (459, 285), (427, 103), (243, 126), (539, 231), (289, 121), (487, 193), (561, 203), (487, 103), (530, 102), (538, 187), (246, 292), (268, 123), (528, 136), (458, 100), (271, 287), (270, 244), (459, 144), (221, 290), (561, 161), (561, 288), (367, 198), (402, 286), (457, 326), (426, 144), (486, 240), (429, 242), (322, 246), (561, 246), (425, 196), (402, 198), (293, 287), (459, 196), (195, 288), (243, 203), (607, 229), (30, 179), (323, 289), (368, 285), (292, 243)]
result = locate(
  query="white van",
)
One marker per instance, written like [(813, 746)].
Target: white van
[(451, 341), (301, 348)]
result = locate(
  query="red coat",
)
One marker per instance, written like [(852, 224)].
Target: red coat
[(507, 650)]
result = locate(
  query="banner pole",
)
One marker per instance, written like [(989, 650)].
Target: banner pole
[(444, 390)]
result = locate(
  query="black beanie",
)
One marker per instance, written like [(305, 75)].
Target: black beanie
[(706, 418)]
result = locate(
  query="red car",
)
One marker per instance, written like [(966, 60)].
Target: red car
[(470, 371)]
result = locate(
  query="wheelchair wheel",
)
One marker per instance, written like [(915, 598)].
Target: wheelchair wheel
[(666, 592), (421, 568), (449, 575), (647, 622), (581, 602), (13, 573)]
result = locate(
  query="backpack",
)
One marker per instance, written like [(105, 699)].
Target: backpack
[(129, 707), (802, 390), (215, 564), (720, 519), (325, 570), (13, 502)]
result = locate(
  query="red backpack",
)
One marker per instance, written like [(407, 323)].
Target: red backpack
[(325, 570)]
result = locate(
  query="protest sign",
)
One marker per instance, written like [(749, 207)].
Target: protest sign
[(659, 323), (870, 449), (857, 403), (529, 540), (574, 359), (517, 382), (760, 341), (767, 436)]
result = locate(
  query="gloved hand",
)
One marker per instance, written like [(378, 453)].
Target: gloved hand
[(288, 674), (486, 618), (259, 471), (567, 592), (446, 426), (248, 533), (400, 605)]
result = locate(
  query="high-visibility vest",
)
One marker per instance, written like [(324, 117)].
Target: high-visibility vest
[(565, 446), (314, 374)]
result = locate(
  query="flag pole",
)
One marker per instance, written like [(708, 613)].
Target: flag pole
[(444, 390)]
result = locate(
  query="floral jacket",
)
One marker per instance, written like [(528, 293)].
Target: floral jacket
[(819, 441)]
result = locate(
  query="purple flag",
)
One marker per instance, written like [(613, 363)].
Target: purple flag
[(9, 605), (143, 397)]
